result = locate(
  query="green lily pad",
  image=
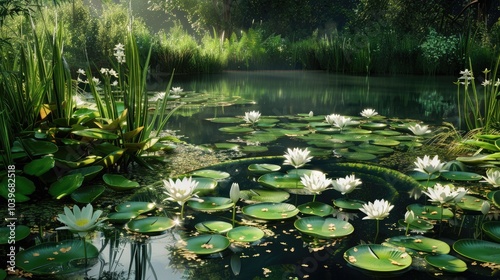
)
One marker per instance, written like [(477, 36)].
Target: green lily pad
[(471, 203), (39, 166), (323, 227), (492, 229), (348, 204), (38, 148), (431, 212), (421, 243), (118, 182), (236, 129), (137, 207), (417, 225), (23, 188), (245, 234), (372, 149), (21, 232), (56, 258), (270, 211), (65, 185), (461, 176), (280, 180), (479, 250), (316, 208), (87, 194), (121, 217), (96, 133), (387, 132), (214, 174), (76, 164), (263, 195), (375, 257), (88, 172), (151, 225), (494, 196), (211, 204), (385, 142), (213, 227), (446, 263), (356, 155), (205, 185), (421, 176), (373, 125), (227, 146), (262, 168), (207, 244)]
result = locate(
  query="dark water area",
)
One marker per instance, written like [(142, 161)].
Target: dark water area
[(276, 93)]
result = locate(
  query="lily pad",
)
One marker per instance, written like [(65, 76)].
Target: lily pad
[(431, 212), (236, 129), (492, 229), (21, 232), (88, 172), (348, 204), (372, 149), (245, 234), (356, 155), (151, 225), (421, 243), (227, 146), (270, 211), (211, 204), (121, 217), (65, 185), (461, 176), (207, 244), (118, 182), (385, 142), (419, 225), (205, 185), (137, 207), (226, 120), (479, 250), (494, 196), (213, 227), (87, 194), (471, 203), (39, 166), (214, 174), (263, 195), (280, 180), (421, 176), (323, 227), (38, 147), (446, 263), (23, 188), (262, 168), (375, 257), (50, 258), (316, 208), (373, 125)]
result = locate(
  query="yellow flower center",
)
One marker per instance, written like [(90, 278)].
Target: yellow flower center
[(82, 222)]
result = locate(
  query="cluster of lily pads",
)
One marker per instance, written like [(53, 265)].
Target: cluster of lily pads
[(269, 195)]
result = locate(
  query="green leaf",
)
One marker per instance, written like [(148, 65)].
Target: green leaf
[(96, 133), (38, 167), (65, 185)]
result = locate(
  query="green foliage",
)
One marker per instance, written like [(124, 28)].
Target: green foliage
[(439, 50)]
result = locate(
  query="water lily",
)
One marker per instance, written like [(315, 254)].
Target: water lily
[(158, 96), (311, 114), (409, 218), (79, 220), (347, 184), (252, 117), (338, 120), (442, 194), (181, 191), (419, 130), (492, 177), (176, 90), (297, 157), (368, 113), (378, 210), (234, 195), (430, 166), (316, 183)]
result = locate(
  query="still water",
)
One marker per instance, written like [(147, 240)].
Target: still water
[(430, 99)]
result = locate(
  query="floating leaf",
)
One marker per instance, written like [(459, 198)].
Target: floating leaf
[(431, 212), (262, 195), (137, 207), (254, 149), (324, 227), (226, 120), (208, 173), (471, 203), (316, 208), (377, 257), (262, 168), (87, 194), (349, 204), (236, 129), (211, 204), (479, 250), (207, 244), (420, 243), (119, 182), (23, 188), (88, 172), (65, 185), (151, 225), (492, 229), (461, 176), (39, 166), (38, 148), (213, 227), (270, 211), (20, 232), (446, 263), (245, 234)]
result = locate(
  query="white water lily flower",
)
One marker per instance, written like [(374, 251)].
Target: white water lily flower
[(368, 113), (418, 129), (176, 90), (461, 193), (252, 117), (181, 191), (158, 96), (441, 194), (338, 120), (311, 114), (234, 192), (430, 166), (315, 183), (410, 217), (347, 184), (378, 210), (80, 221), (492, 177), (297, 157)]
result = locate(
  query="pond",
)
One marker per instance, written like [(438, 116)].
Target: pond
[(274, 215)]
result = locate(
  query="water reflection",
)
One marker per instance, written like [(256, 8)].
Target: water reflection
[(430, 99)]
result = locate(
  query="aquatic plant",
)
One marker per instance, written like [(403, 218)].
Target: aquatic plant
[(429, 166), (419, 130), (181, 191), (377, 210), (252, 117), (338, 121), (297, 157), (346, 185), (368, 113), (234, 195), (492, 177), (316, 183), (80, 221)]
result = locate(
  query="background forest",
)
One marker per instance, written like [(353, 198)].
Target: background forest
[(206, 36)]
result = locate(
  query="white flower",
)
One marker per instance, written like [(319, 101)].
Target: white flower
[(114, 83), (428, 166), (347, 184), (252, 117), (368, 113), (316, 182), (338, 120), (81, 72), (378, 210), (176, 90), (297, 157), (104, 71), (418, 129), (113, 73), (497, 83), (485, 207), (492, 177), (158, 96), (80, 221), (234, 192), (311, 114), (441, 194), (96, 81), (181, 191), (486, 83), (409, 217), (119, 53), (461, 193)]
